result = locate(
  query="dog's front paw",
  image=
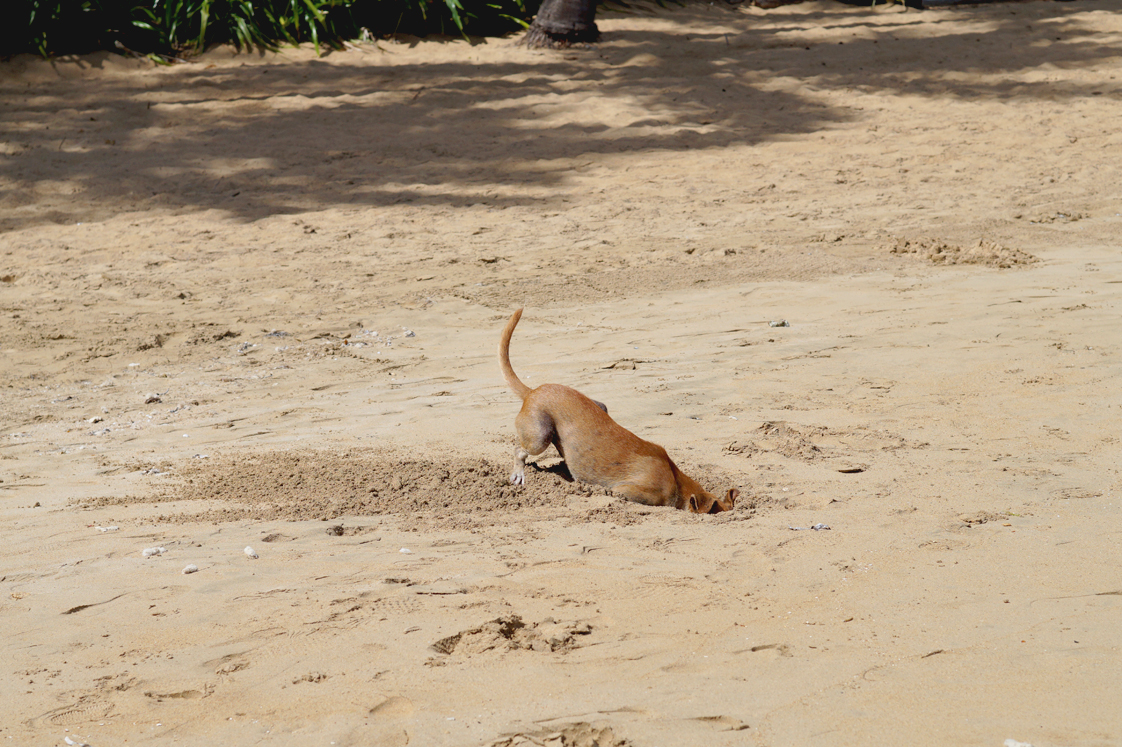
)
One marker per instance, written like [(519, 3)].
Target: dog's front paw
[(518, 477)]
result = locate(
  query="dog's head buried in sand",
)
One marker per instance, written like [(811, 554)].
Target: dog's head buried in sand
[(595, 448)]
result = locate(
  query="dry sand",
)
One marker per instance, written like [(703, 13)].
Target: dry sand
[(254, 301)]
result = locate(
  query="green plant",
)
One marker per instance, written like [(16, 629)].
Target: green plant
[(175, 26)]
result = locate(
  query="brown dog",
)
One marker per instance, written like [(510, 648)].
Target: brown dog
[(596, 448)]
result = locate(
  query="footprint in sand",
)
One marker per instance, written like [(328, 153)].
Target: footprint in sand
[(79, 713)]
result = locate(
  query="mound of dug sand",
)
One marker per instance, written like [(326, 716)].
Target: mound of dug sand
[(983, 252), (511, 633), (809, 443), (308, 485), (579, 734)]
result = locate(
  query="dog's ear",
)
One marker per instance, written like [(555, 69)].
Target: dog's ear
[(731, 497), (693, 504)]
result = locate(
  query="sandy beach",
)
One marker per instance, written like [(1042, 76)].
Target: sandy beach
[(864, 265)]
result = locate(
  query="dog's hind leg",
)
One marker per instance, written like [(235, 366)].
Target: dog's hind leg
[(535, 434)]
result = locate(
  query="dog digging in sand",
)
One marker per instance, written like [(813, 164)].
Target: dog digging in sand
[(595, 448)]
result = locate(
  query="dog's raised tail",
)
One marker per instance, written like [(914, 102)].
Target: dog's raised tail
[(512, 379)]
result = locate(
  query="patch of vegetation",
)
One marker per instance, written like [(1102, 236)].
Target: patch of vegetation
[(174, 27)]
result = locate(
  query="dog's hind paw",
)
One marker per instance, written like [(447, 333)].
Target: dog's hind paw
[(518, 477)]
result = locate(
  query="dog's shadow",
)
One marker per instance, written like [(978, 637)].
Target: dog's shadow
[(559, 468)]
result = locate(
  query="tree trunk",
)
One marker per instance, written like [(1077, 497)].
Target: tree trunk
[(560, 23)]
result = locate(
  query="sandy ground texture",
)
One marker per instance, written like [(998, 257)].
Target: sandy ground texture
[(253, 302)]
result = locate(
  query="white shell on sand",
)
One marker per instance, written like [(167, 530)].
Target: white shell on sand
[(192, 568), (251, 553), (151, 551)]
